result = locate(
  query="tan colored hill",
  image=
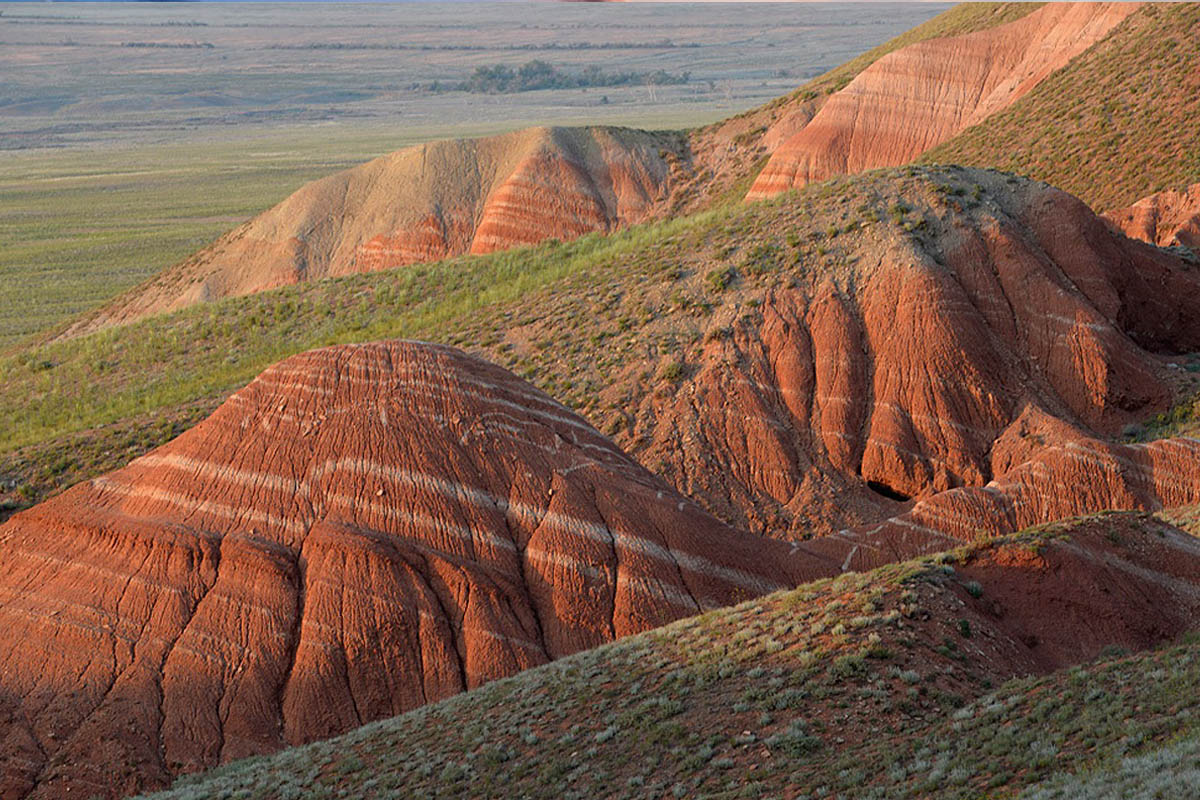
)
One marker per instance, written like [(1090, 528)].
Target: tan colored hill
[(423, 203), (1167, 219), (932, 679), (920, 96), (359, 531)]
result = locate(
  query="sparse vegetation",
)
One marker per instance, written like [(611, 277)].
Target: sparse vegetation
[(701, 707), (1114, 125)]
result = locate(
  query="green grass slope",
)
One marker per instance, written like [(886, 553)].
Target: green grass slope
[(1120, 122), (868, 686), (81, 226)]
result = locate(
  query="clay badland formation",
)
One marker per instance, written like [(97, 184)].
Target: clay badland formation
[(878, 368), (359, 531), (922, 95), (977, 358), (422, 204), (883, 685), (1167, 219), (364, 529)]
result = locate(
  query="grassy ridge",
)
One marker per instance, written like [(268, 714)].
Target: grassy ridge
[(168, 360), (862, 686), (81, 227), (1118, 123)]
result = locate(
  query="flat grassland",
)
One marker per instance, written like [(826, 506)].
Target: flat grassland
[(135, 134)]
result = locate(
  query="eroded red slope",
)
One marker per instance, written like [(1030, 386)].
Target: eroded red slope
[(360, 530), (1166, 219), (922, 95), (977, 360)]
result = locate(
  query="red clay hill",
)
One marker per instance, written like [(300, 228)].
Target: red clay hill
[(920, 96), (978, 357), (361, 530), (1167, 219)]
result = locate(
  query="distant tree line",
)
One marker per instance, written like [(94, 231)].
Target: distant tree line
[(662, 44), (537, 74)]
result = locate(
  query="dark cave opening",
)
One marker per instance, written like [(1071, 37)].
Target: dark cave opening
[(887, 491)]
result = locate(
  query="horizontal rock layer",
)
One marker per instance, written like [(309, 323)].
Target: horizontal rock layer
[(361, 530)]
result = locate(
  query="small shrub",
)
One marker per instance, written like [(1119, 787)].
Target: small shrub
[(847, 666), (719, 279), (672, 371)]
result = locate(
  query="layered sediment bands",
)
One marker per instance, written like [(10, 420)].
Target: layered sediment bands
[(361, 530), (922, 95), (1166, 219), (1074, 474), (976, 365), (419, 204)]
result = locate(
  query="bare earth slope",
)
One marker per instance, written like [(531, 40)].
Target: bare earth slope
[(878, 686), (423, 203), (922, 95), (359, 531), (976, 355), (1167, 219)]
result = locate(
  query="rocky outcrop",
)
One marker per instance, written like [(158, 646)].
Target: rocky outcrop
[(1073, 474), (1166, 219), (973, 361), (421, 204), (361, 530), (922, 95)]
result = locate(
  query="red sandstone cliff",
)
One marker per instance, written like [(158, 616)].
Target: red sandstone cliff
[(922, 95), (359, 531)]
